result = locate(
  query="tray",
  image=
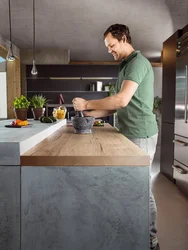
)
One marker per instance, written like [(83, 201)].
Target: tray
[(17, 126)]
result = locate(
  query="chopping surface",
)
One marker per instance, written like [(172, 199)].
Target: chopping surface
[(104, 147)]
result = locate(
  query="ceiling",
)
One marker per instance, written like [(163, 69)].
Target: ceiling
[(79, 25)]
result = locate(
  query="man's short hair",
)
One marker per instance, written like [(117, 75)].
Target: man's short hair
[(118, 31)]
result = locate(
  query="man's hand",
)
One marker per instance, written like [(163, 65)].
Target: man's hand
[(79, 104)]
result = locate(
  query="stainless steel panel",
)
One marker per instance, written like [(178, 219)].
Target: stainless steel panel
[(181, 128), (181, 149), (180, 174), (181, 106)]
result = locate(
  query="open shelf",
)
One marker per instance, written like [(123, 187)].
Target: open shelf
[(70, 81), (71, 78), (65, 91)]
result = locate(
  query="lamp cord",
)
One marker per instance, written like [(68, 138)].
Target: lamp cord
[(33, 30), (10, 33)]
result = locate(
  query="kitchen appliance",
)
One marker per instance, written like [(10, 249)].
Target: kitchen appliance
[(180, 167)]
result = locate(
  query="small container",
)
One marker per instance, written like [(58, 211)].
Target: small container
[(92, 87), (60, 112), (106, 88), (99, 86)]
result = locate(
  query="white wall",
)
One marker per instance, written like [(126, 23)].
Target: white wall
[(3, 95)]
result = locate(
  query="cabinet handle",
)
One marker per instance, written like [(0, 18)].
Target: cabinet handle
[(179, 169), (181, 143)]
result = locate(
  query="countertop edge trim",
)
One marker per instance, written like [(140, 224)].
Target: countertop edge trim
[(85, 161)]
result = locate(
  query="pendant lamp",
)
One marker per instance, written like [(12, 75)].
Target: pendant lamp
[(10, 56), (34, 69)]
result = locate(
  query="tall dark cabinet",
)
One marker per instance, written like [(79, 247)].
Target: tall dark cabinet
[(168, 108)]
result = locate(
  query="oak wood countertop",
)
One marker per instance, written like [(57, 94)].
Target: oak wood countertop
[(104, 147)]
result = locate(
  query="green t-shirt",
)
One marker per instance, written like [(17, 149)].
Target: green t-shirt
[(137, 120)]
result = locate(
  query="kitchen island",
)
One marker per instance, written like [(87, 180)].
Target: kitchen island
[(77, 192)]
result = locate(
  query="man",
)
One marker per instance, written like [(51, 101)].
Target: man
[(133, 101)]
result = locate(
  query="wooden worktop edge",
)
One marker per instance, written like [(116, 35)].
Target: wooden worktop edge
[(85, 161)]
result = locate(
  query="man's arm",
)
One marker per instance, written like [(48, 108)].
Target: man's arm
[(99, 113), (120, 100)]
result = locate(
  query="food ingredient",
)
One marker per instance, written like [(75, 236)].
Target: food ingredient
[(98, 123), (19, 123), (59, 112), (47, 119)]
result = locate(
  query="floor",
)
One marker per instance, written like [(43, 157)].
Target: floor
[(172, 208)]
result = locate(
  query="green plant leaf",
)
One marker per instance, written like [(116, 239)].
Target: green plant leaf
[(21, 102), (38, 101), (157, 104)]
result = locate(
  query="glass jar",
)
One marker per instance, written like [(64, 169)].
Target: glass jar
[(60, 112)]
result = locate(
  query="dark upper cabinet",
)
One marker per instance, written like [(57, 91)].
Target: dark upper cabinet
[(74, 70), (185, 29)]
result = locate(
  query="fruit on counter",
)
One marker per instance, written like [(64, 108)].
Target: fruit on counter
[(53, 118), (98, 123), (13, 123), (47, 119), (23, 123), (19, 123)]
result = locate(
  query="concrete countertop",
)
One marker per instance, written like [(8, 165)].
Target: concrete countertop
[(16, 141)]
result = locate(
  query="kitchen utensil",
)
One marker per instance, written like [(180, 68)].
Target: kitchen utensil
[(83, 124)]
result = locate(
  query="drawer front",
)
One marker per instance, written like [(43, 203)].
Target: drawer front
[(181, 149), (180, 174)]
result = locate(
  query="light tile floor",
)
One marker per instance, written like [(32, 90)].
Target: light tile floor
[(172, 208)]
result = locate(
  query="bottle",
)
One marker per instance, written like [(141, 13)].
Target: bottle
[(92, 87)]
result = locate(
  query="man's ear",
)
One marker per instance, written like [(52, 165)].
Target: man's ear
[(124, 38)]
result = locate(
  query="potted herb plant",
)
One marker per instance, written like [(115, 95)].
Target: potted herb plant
[(38, 102), (21, 105), (157, 104)]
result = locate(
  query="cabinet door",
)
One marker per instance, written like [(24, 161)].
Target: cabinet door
[(167, 150), (74, 70), (185, 29), (169, 78), (181, 149)]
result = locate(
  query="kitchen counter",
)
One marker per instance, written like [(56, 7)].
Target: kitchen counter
[(104, 147), (16, 141), (72, 191)]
